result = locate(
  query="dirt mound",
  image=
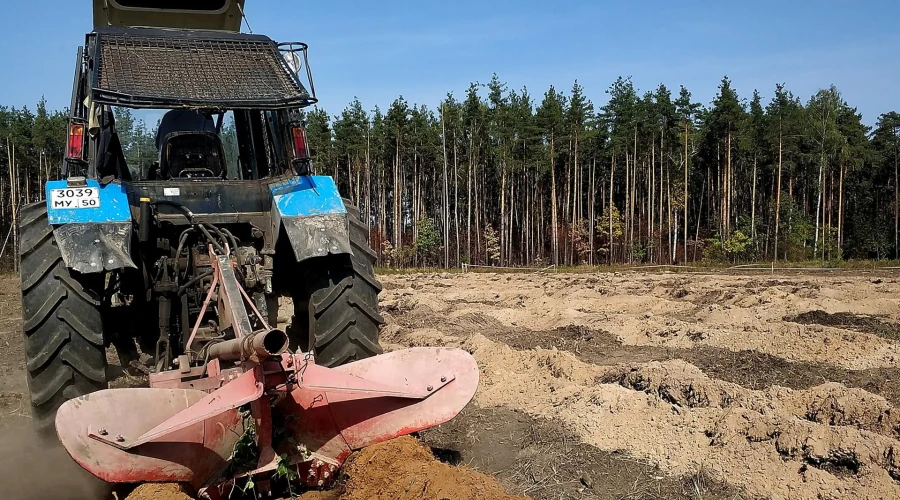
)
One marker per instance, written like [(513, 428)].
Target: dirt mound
[(402, 468), (153, 491), (858, 322), (406, 469)]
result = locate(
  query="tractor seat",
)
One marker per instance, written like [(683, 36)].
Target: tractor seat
[(192, 155)]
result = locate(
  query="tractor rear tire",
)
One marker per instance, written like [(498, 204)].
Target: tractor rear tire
[(65, 355), (340, 296)]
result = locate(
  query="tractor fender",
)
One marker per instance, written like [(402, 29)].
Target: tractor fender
[(313, 215), (91, 225)]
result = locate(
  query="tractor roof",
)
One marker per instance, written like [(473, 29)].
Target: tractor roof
[(220, 15), (157, 68)]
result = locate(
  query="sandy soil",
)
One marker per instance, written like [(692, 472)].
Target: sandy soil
[(622, 386), (777, 388)]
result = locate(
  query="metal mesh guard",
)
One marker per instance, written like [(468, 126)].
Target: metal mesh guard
[(182, 69)]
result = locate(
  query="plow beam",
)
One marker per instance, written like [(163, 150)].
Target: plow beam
[(184, 435), (259, 345)]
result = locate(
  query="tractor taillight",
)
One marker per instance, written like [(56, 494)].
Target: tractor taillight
[(76, 142), (300, 149)]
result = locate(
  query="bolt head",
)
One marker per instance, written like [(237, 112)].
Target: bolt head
[(430, 388), (103, 431), (443, 379), (120, 438)]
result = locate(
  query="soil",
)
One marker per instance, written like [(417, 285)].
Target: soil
[(706, 378), (539, 457), (406, 469), (403, 468), (629, 385), (857, 322), (152, 491)]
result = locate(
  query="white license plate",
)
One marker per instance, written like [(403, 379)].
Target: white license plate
[(80, 197)]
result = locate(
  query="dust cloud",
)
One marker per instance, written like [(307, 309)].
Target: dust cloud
[(36, 467)]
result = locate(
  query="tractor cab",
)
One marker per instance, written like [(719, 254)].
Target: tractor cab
[(197, 77)]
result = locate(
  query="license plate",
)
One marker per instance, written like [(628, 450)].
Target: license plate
[(82, 197)]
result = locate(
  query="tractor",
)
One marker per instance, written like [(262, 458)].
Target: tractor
[(187, 259)]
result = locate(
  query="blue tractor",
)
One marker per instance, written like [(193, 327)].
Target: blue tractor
[(122, 256)]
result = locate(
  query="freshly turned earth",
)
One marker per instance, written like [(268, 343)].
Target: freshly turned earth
[(631, 385)]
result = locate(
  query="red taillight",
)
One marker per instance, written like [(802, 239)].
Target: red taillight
[(300, 149), (76, 142)]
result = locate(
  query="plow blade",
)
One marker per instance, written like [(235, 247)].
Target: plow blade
[(189, 455), (188, 436), (334, 423)]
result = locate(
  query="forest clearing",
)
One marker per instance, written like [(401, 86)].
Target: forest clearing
[(619, 385)]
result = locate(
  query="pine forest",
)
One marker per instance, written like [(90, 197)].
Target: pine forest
[(500, 177)]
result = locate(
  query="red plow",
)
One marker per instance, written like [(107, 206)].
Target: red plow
[(251, 412)]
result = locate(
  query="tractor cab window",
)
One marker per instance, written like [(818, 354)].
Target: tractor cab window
[(198, 144)]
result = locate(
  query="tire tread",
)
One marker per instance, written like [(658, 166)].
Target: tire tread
[(65, 355)]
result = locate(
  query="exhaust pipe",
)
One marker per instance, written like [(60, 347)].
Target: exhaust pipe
[(261, 345)]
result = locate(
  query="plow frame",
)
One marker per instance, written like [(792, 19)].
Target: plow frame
[(293, 386)]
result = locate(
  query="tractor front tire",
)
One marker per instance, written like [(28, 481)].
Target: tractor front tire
[(339, 301), (65, 356)]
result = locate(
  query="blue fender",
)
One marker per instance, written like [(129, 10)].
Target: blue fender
[(312, 213), (93, 232)]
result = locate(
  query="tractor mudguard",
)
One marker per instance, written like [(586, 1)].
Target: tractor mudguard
[(91, 225), (313, 215)]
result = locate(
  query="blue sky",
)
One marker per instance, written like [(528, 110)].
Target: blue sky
[(424, 49)]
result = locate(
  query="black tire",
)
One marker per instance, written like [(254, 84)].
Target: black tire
[(339, 302), (65, 356)]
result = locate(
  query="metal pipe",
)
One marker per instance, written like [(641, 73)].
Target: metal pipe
[(261, 344), (145, 221)]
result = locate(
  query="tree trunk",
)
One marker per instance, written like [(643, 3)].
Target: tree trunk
[(753, 205), (650, 200), (502, 213), (778, 196), (469, 204), (612, 180), (633, 193), (553, 222), (699, 211), (686, 170), (13, 198), (840, 213), (726, 220), (445, 211), (820, 181), (593, 201), (456, 196), (673, 250), (368, 211), (625, 210)]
